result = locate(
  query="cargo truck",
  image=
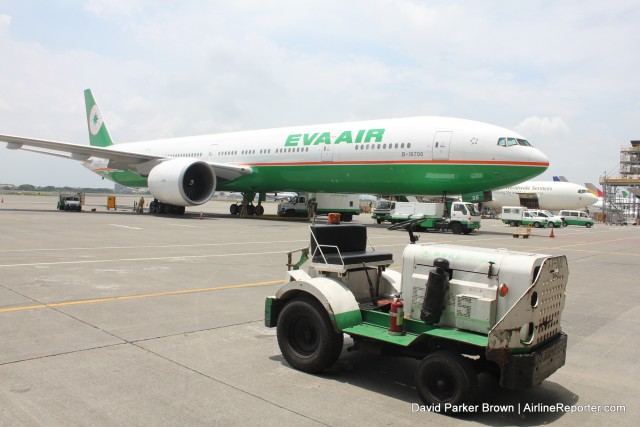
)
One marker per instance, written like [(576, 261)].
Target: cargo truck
[(457, 217), (519, 215), (347, 205)]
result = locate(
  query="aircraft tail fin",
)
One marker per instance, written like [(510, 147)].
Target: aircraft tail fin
[(593, 189), (560, 179), (98, 134)]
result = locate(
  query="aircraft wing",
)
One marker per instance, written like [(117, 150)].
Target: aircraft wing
[(141, 163)]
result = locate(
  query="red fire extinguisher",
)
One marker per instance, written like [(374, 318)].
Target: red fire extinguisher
[(396, 316)]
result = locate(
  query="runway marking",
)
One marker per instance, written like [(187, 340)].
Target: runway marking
[(596, 242), (176, 257), (100, 248), (184, 225), (126, 226), (128, 297)]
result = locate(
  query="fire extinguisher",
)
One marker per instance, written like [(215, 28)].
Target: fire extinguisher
[(396, 316)]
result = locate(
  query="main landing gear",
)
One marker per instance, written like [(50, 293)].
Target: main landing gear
[(246, 207), (159, 207)]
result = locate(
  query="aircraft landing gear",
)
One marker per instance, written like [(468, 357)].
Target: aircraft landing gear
[(246, 207), (157, 207)]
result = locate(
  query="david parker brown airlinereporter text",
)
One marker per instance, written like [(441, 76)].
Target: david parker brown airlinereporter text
[(520, 408)]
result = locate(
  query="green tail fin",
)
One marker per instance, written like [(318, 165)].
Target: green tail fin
[(98, 134)]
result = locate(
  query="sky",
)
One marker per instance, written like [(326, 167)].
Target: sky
[(563, 74)]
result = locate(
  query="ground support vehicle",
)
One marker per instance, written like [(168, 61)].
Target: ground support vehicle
[(552, 220), (468, 310), (382, 210), (522, 232), (463, 217), (576, 218), (347, 205), (518, 215), (69, 202)]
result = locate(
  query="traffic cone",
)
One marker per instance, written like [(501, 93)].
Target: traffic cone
[(201, 215), (551, 234)]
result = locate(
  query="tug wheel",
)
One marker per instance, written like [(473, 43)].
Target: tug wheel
[(445, 377), (306, 336)]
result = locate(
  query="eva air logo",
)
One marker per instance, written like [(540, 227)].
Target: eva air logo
[(95, 120)]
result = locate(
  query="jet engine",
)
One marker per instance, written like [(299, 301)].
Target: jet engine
[(182, 182)]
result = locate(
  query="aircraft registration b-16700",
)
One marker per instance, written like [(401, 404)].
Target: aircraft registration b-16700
[(419, 155)]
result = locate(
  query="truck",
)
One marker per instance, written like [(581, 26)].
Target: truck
[(347, 205), (382, 210), (457, 217), (459, 310), (519, 215), (70, 202)]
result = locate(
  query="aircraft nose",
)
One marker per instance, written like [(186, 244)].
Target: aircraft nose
[(539, 158), (591, 198)]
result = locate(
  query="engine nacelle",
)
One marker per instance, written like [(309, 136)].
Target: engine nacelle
[(182, 182)]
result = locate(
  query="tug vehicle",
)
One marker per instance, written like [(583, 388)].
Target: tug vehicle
[(460, 310)]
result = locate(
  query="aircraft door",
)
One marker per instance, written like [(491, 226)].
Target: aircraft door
[(441, 145), (529, 200), (327, 153), (213, 151)]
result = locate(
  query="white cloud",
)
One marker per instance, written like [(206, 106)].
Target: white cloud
[(546, 126), (556, 72)]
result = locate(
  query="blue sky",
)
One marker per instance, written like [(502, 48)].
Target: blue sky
[(564, 74)]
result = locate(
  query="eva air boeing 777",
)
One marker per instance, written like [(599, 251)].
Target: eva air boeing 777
[(418, 155)]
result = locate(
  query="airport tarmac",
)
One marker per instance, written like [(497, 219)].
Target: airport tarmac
[(115, 318)]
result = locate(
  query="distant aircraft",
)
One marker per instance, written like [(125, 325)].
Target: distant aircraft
[(547, 195), (420, 155)]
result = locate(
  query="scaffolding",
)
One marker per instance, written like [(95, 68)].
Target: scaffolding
[(621, 192)]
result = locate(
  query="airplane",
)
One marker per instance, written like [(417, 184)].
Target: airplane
[(417, 155), (546, 195)]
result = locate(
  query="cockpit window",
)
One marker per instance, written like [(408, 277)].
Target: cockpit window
[(510, 142)]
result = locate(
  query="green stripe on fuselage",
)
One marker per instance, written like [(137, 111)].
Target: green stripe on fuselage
[(389, 178), (354, 178)]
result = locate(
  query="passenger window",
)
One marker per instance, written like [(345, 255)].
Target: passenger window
[(502, 142)]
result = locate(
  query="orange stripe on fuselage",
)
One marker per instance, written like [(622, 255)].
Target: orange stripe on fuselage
[(405, 162)]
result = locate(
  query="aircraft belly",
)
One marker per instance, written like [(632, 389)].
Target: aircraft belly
[(381, 178)]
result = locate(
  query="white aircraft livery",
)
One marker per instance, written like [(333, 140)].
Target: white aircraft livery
[(548, 195), (418, 155)]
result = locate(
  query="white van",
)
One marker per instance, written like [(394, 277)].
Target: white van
[(576, 218)]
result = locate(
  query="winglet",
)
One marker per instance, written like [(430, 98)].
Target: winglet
[(98, 134)]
